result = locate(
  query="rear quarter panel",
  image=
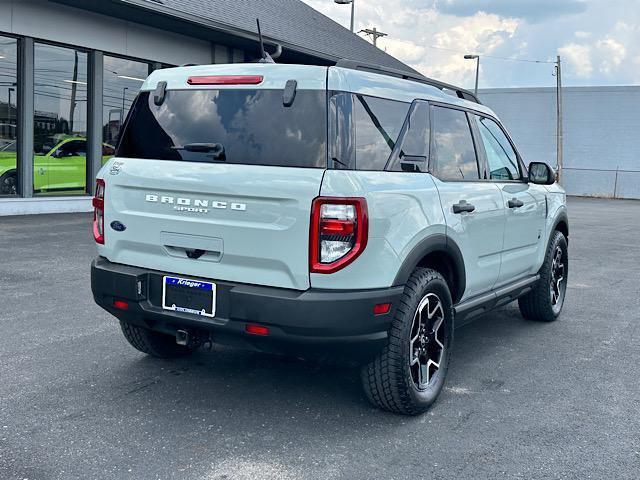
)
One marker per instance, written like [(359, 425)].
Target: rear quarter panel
[(404, 208)]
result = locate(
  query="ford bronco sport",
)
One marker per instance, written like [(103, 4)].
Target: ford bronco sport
[(327, 211)]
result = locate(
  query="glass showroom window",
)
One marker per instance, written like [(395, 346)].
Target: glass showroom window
[(60, 120), (8, 115), (122, 81)]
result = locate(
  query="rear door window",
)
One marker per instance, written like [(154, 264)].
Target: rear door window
[(455, 153), (74, 148), (240, 126), (378, 123), (414, 141)]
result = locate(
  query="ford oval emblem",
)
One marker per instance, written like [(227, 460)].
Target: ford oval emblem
[(118, 227)]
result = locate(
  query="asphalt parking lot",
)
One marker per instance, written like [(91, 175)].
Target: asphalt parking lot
[(523, 400)]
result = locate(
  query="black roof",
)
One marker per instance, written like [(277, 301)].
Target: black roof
[(306, 35)]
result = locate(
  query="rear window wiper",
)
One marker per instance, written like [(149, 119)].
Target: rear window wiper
[(216, 149)]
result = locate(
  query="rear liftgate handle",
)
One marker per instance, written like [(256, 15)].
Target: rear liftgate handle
[(515, 203), (463, 206)]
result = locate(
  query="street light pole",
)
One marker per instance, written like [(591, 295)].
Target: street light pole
[(559, 132), (353, 7), (345, 2), (477, 59)]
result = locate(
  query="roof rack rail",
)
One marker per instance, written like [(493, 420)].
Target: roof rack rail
[(406, 75)]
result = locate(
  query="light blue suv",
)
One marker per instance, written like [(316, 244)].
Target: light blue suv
[(343, 211)]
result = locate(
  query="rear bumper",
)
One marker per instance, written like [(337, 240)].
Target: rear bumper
[(307, 323)]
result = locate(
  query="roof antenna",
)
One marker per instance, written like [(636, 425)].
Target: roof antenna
[(264, 56)]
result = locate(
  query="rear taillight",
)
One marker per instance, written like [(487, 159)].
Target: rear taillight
[(98, 212), (338, 233)]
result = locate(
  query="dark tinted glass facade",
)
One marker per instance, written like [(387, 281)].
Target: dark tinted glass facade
[(8, 116), (60, 104), (235, 126)]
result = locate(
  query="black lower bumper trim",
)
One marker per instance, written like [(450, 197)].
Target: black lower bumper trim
[(300, 322)]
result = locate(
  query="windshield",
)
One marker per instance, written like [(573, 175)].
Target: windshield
[(232, 126), (9, 147)]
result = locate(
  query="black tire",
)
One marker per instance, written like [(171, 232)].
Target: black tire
[(390, 380), (9, 183), (152, 343), (544, 303)]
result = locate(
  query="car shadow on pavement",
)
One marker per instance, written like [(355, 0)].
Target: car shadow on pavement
[(239, 382)]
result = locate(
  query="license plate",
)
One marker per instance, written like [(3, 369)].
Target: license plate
[(186, 295)]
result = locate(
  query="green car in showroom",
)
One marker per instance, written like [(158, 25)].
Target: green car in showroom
[(62, 167)]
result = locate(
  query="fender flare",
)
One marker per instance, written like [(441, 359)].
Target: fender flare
[(561, 216), (434, 243), (11, 171)]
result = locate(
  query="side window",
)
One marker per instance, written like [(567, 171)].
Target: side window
[(108, 150), (455, 154), (377, 126), (73, 149), (501, 157), (415, 140)]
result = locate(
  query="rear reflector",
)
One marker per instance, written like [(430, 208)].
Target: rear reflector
[(121, 304), (226, 80), (256, 329), (381, 308)]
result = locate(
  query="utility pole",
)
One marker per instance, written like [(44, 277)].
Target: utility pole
[(374, 33), (124, 91), (559, 117), (9, 92), (74, 87)]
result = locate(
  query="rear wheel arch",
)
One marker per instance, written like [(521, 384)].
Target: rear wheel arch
[(562, 225), (8, 174), (442, 254)]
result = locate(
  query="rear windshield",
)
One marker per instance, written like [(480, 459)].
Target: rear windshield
[(232, 126)]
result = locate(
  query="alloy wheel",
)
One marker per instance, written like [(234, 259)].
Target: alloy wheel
[(558, 284), (426, 344), (8, 186)]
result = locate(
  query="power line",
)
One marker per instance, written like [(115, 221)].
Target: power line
[(511, 59)]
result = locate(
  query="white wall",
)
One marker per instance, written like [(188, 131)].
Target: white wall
[(601, 143), (54, 22)]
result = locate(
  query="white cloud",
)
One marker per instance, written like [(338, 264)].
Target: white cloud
[(596, 38), (578, 57), (612, 53), (431, 42), (606, 54)]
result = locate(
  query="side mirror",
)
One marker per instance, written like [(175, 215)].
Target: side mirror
[(413, 163), (541, 174)]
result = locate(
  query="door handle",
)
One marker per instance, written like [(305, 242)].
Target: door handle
[(463, 206), (515, 203)]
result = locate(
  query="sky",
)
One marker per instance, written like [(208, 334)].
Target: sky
[(598, 40)]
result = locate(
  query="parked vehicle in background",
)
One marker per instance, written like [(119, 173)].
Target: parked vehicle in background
[(322, 211), (61, 167)]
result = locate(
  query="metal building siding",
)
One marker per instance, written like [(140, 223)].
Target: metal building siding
[(601, 125)]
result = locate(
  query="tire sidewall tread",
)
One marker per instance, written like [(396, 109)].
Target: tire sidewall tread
[(386, 380)]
